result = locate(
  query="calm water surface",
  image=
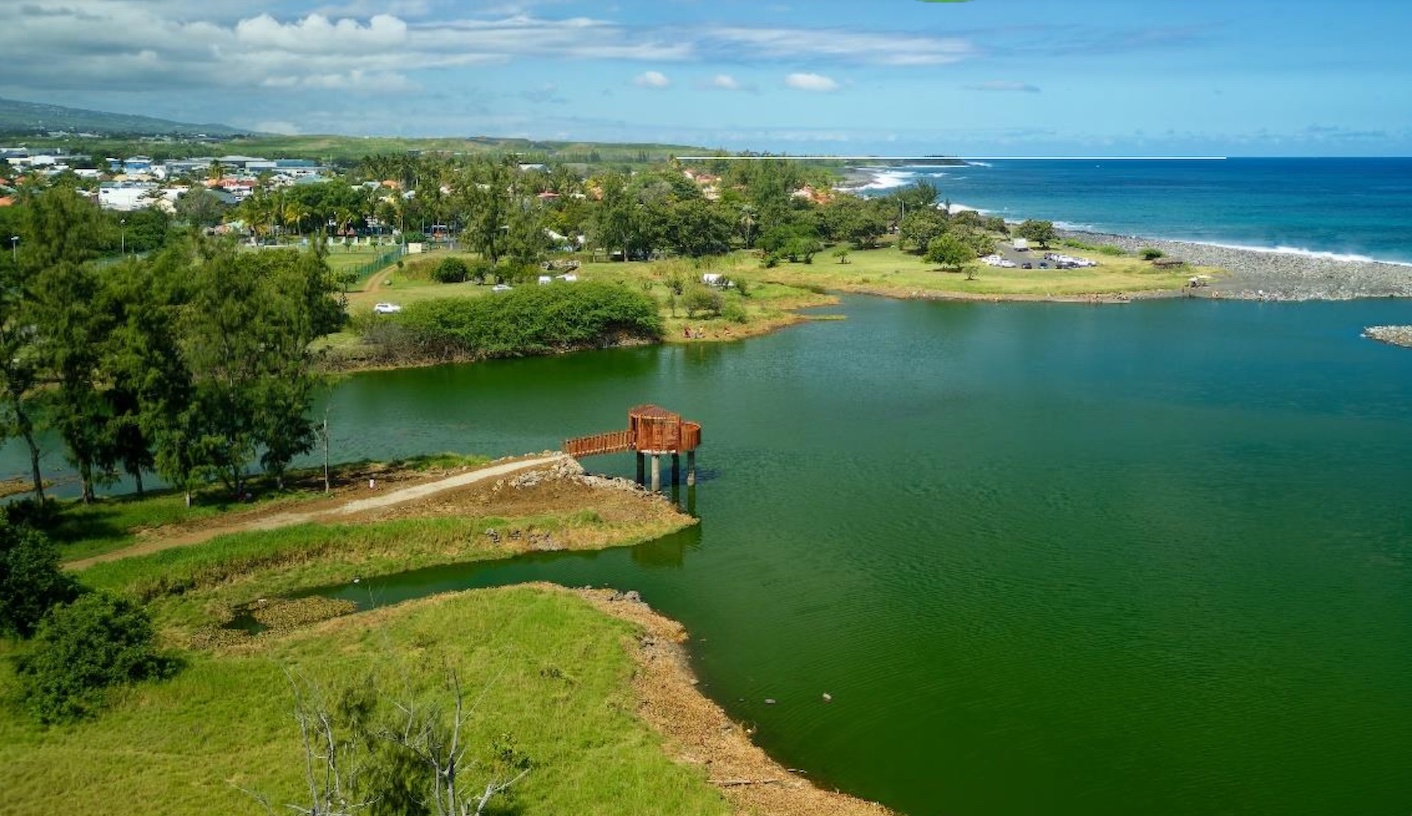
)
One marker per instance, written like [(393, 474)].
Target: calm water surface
[(1046, 558)]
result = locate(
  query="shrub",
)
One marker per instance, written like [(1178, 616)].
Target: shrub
[(31, 581), (701, 299), (1110, 249), (1150, 253), (734, 312), (451, 270), (480, 269), (81, 650), (531, 320)]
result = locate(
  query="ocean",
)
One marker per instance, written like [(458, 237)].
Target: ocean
[(1355, 208)]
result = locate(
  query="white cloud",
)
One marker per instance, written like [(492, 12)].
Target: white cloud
[(725, 82), (810, 82), (865, 47), (1004, 85), (651, 79), (317, 34)]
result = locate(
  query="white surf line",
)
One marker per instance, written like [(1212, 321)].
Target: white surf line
[(952, 158)]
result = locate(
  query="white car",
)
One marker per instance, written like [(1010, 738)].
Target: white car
[(501, 287), (386, 308)]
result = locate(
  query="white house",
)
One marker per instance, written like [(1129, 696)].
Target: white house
[(126, 196)]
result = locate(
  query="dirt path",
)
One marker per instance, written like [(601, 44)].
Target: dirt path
[(272, 522)]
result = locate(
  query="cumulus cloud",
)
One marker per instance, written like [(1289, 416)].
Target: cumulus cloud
[(725, 82), (810, 82), (317, 34), (165, 45), (651, 79), (1004, 85)]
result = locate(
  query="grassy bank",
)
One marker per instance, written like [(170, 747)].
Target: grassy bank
[(761, 306), (890, 272), (549, 671), (116, 522)]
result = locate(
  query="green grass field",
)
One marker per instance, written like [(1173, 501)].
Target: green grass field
[(887, 271), (547, 669)]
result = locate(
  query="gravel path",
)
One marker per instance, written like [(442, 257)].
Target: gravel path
[(1268, 275), (278, 520)]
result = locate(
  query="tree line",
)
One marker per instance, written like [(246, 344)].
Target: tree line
[(191, 362)]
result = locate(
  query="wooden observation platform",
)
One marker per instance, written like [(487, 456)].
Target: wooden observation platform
[(652, 431)]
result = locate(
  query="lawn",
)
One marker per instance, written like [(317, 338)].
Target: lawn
[(887, 271)]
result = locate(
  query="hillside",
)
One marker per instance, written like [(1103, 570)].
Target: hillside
[(28, 118)]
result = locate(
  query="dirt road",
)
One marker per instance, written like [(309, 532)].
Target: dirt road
[(327, 513)]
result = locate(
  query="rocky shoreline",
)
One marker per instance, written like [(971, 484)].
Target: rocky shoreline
[(1392, 335), (1269, 275)]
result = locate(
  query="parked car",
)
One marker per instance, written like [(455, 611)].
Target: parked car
[(387, 308), (1027, 265), (501, 287)]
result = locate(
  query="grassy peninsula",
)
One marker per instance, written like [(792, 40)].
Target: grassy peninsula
[(601, 708)]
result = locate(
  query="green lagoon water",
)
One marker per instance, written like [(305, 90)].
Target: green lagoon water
[(1047, 559)]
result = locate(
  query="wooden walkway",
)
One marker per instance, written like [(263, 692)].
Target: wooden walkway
[(652, 431)]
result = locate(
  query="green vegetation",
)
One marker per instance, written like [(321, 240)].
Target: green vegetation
[(1041, 232), (545, 668), (891, 272), (1150, 253), (81, 650), (451, 270), (530, 320), (190, 362), (31, 582)]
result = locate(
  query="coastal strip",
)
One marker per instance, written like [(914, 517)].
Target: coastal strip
[(1259, 274)]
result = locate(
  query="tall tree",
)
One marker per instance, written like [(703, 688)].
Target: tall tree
[(246, 332)]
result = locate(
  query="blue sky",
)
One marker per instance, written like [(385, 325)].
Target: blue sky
[(985, 77)]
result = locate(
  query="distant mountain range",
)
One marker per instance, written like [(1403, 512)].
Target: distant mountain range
[(27, 118)]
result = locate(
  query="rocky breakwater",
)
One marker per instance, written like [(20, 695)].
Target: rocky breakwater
[(1392, 335), (1257, 274)]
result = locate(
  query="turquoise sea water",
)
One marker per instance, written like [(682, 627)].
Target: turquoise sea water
[(1350, 206), (1045, 558)]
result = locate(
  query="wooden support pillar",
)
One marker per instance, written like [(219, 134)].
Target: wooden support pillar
[(676, 468), (641, 468), (656, 472), (691, 468)]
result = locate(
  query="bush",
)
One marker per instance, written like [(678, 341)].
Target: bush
[(1150, 253), (531, 320), (1110, 249), (480, 270), (31, 581), (81, 650), (451, 270), (734, 312), (699, 298)]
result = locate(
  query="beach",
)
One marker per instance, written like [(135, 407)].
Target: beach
[(1259, 274)]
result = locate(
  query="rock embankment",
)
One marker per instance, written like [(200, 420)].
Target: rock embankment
[(1272, 275), (1392, 335)]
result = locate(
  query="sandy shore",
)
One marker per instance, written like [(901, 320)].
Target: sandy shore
[(1267, 275)]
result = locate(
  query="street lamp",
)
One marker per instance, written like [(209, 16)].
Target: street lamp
[(122, 237), (14, 249)]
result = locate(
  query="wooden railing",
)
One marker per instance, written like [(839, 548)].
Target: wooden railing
[(597, 444), (690, 435)]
